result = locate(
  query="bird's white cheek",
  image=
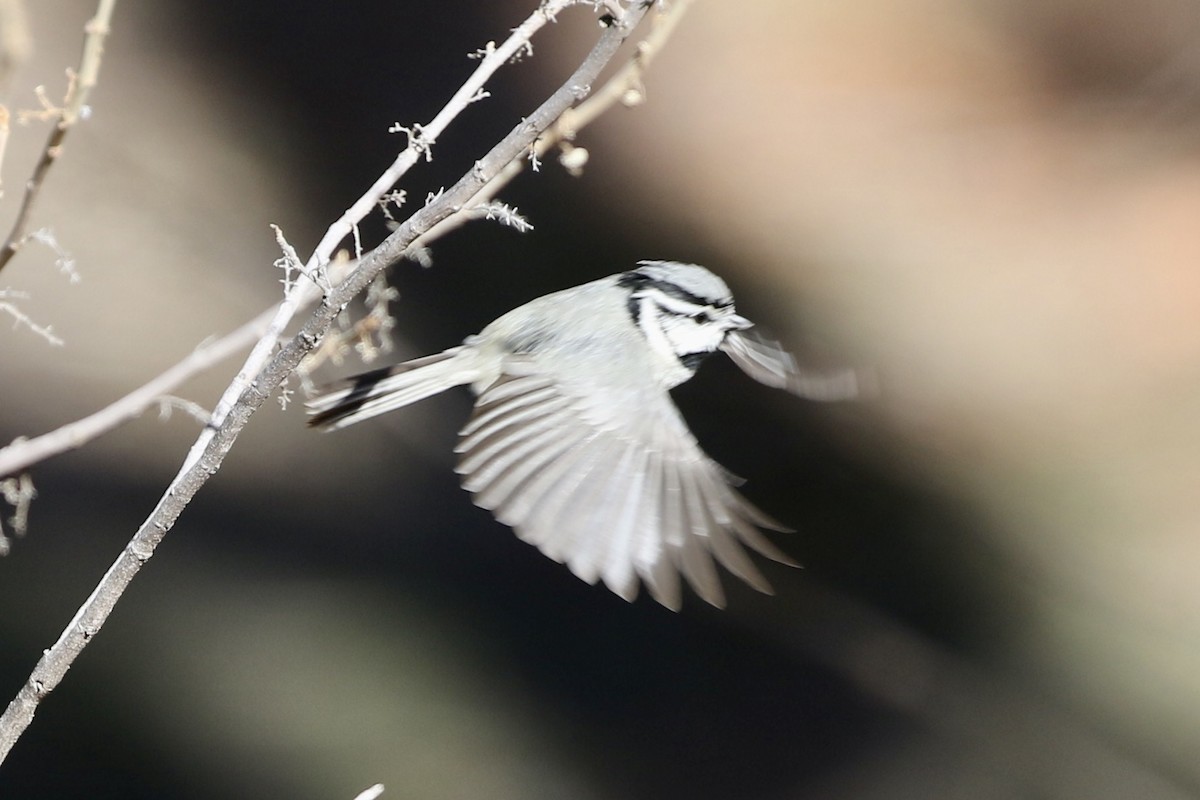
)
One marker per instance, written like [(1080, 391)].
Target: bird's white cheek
[(689, 337)]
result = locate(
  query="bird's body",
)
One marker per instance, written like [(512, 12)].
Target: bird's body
[(574, 440)]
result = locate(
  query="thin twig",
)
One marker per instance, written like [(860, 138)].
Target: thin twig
[(207, 455), (20, 318), (20, 455), (368, 336), (305, 292), (81, 85), (622, 87)]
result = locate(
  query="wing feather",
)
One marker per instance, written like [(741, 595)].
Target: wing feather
[(619, 497), (693, 551), (502, 459), (585, 520), (551, 469), (555, 489), (497, 411), (607, 530), (519, 481), (731, 556), (656, 563), (618, 555)]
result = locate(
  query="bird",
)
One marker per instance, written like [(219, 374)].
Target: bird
[(574, 441)]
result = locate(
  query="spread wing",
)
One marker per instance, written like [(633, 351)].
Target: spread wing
[(619, 497)]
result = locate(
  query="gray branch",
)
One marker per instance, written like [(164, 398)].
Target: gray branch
[(91, 616)]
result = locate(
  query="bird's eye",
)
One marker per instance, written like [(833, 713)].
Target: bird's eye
[(701, 318)]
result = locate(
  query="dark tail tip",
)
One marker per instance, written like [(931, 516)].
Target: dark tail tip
[(357, 390)]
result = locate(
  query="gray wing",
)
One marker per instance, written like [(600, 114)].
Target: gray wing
[(615, 497), (767, 362)]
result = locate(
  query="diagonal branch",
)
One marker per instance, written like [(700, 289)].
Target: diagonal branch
[(81, 85), (625, 86), (492, 58), (214, 444), (24, 453)]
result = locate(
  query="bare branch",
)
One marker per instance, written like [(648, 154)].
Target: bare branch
[(625, 87), (21, 318), (62, 259), (81, 84), (367, 335), (21, 454), (254, 384), (290, 262), (305, 292), (169, 403), (372, 793)]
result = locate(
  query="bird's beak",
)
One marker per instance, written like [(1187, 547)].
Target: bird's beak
[(739, 323)]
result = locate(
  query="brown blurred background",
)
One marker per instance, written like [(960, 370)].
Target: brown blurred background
[(995, 204)]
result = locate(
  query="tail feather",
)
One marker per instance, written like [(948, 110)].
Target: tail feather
[(372, 393)]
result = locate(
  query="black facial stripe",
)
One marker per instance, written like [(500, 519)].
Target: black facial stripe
[(640, 281), (689, 360)]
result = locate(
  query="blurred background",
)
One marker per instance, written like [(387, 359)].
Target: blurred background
[(995, 204)]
